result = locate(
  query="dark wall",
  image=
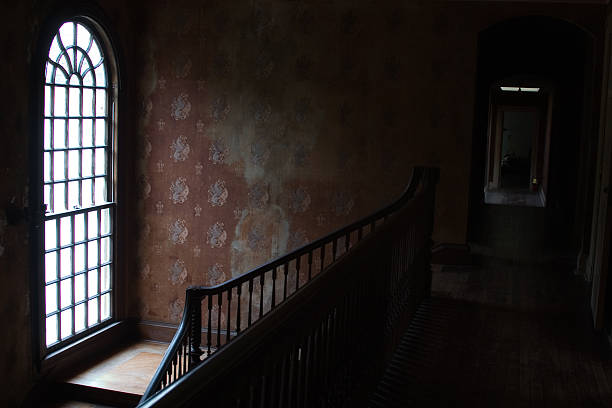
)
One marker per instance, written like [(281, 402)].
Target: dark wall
[(299, 118)]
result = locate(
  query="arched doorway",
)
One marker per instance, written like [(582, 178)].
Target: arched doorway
[(557, 57)]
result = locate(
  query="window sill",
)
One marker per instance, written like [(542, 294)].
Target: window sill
[(71, 357)]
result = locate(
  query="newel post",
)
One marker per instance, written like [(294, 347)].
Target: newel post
[(195, 313)]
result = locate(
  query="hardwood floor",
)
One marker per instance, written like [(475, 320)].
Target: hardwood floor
[(117, 379), (129, 370), (501, 336)]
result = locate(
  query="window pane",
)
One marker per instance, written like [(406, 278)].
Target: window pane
[(87, 162), (88, 79), (66, 323), (65, 262), (94, 55), (79, 227), (79, 318), (100, 162), (73, 195), (50, 266), (54, 50), (86, 198), (92, 254), (88, 100), (92, 224), (100, 76), (83, 37), (47, 134), (58, 165), (79, 287), (51, 298), (47, 167), (59, 101), (65, 231), (87, 132), (100, 188), (105, 250), (74, 100), (59, 133), (74, 133), (74, 165), (50, 234), (65, 63), (105, 306), (60, 77), (59, 197), (66, 292), (93, 312), (100, 102), (79, 258), (66, 33), (51, 329), (92, 283), (100, 132), (105, 222), (47, 199), (105, 278), (47, 100)]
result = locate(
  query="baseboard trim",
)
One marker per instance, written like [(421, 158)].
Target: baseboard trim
[(164, 332)]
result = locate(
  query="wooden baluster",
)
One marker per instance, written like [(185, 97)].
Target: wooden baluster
[(208, 334), (334, 248), (219, 305), (180, 362), (309, 266), (185, 360), (250, 301), (283, 377), (347, 242), (229, 314), (297, 272), (239, 290), (307, 369), (322, 258), (262, 391), (196, 331), (174, 368), (290, 377), (261, 295), (273, 288), (188, 348), (286, 273)]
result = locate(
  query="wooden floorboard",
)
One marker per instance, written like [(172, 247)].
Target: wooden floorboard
[(501, 336), (129, 370)]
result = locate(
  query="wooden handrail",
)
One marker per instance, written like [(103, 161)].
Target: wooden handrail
[(224, 308)]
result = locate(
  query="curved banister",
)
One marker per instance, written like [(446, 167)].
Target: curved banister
[(408, 193), (184, 352)]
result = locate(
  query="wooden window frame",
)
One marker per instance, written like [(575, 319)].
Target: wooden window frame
[(62, 356)]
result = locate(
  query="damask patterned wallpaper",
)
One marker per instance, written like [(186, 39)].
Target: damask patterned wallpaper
[(261, 131)]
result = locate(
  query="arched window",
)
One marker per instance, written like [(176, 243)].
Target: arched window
[(78, 173)]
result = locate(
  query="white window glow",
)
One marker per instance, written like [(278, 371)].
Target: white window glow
[(77, 190)]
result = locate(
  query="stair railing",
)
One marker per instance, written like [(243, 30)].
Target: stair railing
[(390, 276)]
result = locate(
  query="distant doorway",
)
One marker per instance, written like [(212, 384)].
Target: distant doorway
[(518, 147), (528, 188)]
